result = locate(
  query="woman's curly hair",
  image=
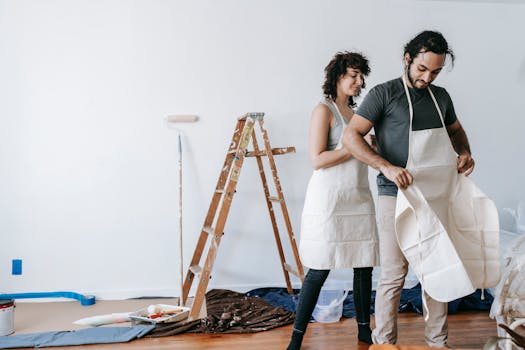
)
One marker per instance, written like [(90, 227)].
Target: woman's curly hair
[(337, 68)]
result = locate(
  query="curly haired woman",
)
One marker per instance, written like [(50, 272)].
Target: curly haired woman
[(338, 227)]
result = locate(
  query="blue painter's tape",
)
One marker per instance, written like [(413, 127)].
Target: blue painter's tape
[(16, 268), (85, 300)]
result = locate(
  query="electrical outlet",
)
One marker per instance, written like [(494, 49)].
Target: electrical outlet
[(16, 267)]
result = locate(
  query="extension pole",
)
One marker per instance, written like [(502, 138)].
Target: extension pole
[(181, 260)]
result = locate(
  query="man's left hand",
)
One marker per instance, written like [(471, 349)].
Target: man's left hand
[(465, 164)]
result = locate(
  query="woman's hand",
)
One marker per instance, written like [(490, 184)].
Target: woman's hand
[(371, 140)]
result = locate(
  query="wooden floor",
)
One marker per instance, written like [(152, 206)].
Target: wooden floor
[(467, 330)]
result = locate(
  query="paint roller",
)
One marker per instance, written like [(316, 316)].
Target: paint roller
[(182, 118), (174, 119)]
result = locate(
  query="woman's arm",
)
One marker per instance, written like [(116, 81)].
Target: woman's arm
[(319, 126), (353, 138)]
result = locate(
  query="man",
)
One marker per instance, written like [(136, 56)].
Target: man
[(407, 114)]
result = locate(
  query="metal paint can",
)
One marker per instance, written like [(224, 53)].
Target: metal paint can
[(7, 316)]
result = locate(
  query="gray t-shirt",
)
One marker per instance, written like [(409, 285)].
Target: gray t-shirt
[(386, 106)]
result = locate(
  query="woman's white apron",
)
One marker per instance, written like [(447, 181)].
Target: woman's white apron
[(338, 225)]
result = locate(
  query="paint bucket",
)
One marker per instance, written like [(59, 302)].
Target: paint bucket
[(7, 319), (329, 307)]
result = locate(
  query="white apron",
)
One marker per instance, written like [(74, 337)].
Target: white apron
[(338, 225), (446, 227)]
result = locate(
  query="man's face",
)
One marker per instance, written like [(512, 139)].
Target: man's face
[(424, 68)]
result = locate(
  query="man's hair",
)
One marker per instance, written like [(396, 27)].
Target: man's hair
[(428, 41), (337, 67)]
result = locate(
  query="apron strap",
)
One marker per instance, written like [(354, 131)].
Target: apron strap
[(411, 113), (409, 164), (343, 123)]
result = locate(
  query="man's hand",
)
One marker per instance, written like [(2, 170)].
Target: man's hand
[(400, 176), (465, 164)]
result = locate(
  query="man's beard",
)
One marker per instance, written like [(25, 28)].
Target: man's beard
[(412, 82)]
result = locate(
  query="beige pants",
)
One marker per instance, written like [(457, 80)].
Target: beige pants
[(394, 268)]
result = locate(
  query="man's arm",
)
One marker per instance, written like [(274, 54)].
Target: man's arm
[(353, 140), (459, 140)]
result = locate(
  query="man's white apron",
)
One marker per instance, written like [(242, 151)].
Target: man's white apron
[(338, 225), (446, 227)]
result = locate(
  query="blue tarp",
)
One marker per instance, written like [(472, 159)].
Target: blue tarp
[(100, 335), (410, 300)]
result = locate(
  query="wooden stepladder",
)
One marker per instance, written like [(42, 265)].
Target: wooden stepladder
[(220, 206)]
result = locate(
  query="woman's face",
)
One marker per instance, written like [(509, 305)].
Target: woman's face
[(350, 83)]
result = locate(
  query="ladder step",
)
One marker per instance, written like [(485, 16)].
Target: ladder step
[(221, 191), (275, 199), (275, 152), (290, 269), (253, 115), (196, 270), (209, 230)]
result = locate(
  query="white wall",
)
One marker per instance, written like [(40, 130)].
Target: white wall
[(88, 179)]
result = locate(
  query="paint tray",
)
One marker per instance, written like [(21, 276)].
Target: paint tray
[(160, 313)]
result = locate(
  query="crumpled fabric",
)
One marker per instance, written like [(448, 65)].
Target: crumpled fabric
[(266, 308), (280, 297), (230, 312), (277, 297), (411, 301)]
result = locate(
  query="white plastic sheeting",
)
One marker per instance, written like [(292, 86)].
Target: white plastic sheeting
[(509, 295)]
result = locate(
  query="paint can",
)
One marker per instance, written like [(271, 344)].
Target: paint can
[(7, 316)]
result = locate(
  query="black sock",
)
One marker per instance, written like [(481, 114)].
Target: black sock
[(364, 333), (296, 341)]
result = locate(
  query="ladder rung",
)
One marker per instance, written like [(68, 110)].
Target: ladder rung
[(196, 270), (275, 199), (209, 230), (290, 269), (283, 150), (275, 152), (260, 153), (253, 115), (219, 191)]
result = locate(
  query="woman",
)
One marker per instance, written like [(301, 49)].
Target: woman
[(338, 228)]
